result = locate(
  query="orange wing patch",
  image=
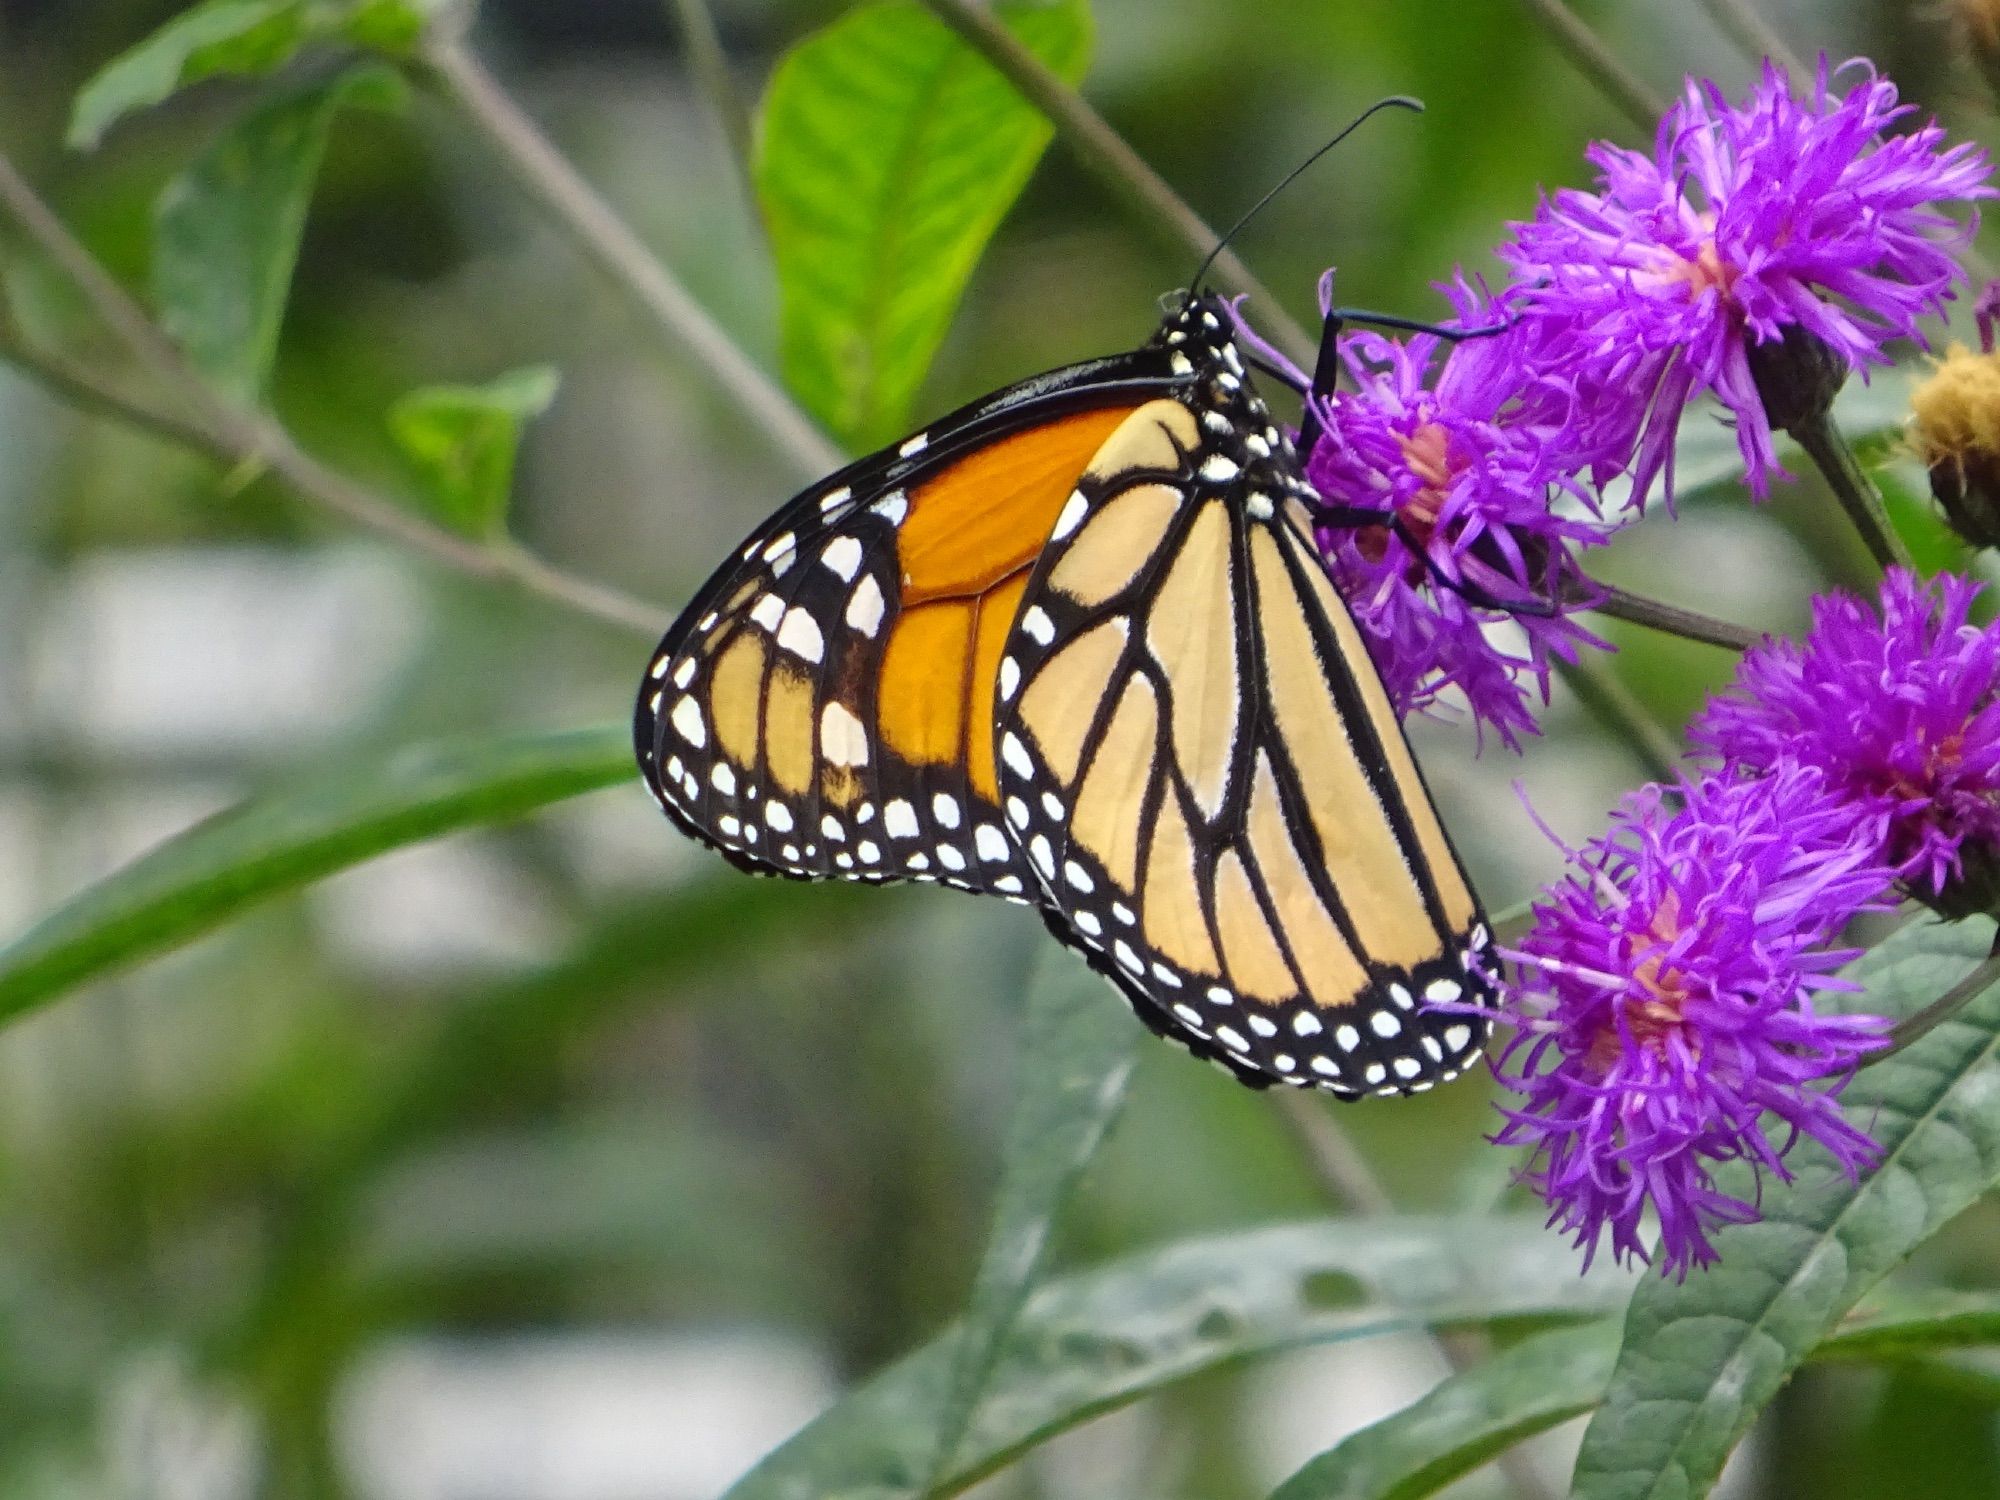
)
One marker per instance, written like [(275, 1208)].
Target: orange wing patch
[(965, 550)]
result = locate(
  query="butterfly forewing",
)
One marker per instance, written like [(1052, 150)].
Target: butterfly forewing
[(824, 707)]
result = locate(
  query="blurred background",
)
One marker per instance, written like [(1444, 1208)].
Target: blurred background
[(559, 1162)]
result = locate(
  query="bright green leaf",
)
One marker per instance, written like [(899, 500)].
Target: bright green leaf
[(463, 440), (272, 844), (227, 228), (1466, 1420), (239, 38), (1076, 1057), (1089, 1343), (890, 151), (1701, 1358)]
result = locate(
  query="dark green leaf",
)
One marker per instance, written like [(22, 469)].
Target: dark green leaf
[(463, 440), (890, 153), (1701, 1358), (1076, 1056), (275, 843), (227, 227), (1466, 1420), (239, 38), (1090, 1343)]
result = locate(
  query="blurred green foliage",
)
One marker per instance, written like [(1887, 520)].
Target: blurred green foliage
[(568, 1077)]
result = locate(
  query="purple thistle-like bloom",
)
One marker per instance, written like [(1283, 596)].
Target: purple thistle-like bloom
[(1783, 217), (1898, 708), (1665, 1016), (1466, 453)]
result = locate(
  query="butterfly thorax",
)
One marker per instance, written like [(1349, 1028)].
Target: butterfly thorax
[(1243, 448)]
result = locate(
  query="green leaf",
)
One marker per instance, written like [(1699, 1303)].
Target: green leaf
[(1466, 1420), (239, 38), (271, 844), (227, 228), (890, 152), (1076, 1058), (1090, 1343), (1701, 1358), (463, 440)]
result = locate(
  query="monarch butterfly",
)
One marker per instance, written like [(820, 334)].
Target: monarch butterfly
[(1072, 646)]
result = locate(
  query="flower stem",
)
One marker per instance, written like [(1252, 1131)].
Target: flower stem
[(250, 439), (1852, 487), (1751, 34), (577, 208), (1914, 1028), (1107, 154), (1668, 619), (710, 66), (1616, 707), (1597, 62)]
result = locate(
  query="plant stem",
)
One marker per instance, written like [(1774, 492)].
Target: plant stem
[(249, 439), (577, 208), (1914, 1028), (86, 392), (710, 66), (1852, 487), (1751, 34), (1107, 154), (1344, 1172), (1615, 707), (1669, 619), (1597, 62)]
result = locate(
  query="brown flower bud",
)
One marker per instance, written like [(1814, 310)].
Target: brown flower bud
[(1955, 429), (1976, 24)]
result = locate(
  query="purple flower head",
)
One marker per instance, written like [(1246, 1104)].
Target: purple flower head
[(1466, 454), (1796, 220), (1896, 709), (1665, 1017)]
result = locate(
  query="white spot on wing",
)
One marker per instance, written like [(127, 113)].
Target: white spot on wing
[(892, 507), (1217, 469), (900, 819), (991, 843), (842, 740), (915, 445), (832, 500), (768, 611), (688, 724), (1074, 510), (1038, 624), (843, 556), (800, 635), (864, 606), (1016, 755)]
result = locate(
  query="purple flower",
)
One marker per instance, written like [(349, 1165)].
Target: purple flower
[(1665, 1016), (1897, 711), (1784, 219), (1468, 449)]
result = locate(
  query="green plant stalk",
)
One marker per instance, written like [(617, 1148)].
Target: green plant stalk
[(1594, 59), (1752, 35), (1614, 705), (1668, 619), (1852, 487), (1914, 1028), (710, 66)]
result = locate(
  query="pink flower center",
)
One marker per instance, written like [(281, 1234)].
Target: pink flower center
[(1705, 270), (1426, 452), (1658, 1008)]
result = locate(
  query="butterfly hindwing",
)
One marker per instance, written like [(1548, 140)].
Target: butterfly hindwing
[(1234, 830)]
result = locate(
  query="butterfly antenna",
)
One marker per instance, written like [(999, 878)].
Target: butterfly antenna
[(1393, 101)]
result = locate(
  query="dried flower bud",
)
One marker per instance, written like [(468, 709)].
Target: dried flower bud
[(1955, 429)]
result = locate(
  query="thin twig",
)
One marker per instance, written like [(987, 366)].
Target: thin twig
[(1614, 706), (710, 66), (1670, 619), (1852, 487), (1107, 154), (87, 392), (1751, 34), (1340, 1167), (577, 208), (1597, 62), (253, 440)]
